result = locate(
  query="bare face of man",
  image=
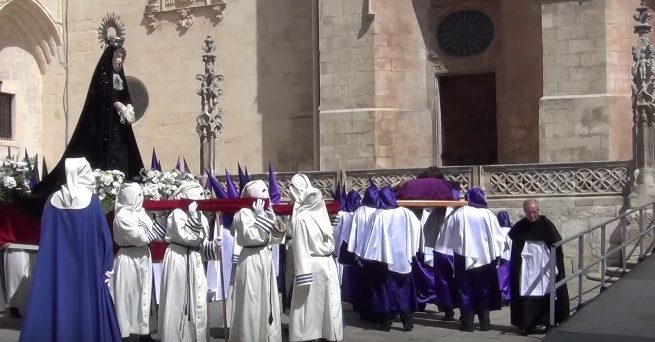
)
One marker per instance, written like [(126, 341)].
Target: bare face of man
[(531, 212), (118, 59)]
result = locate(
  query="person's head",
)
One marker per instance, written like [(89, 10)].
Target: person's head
[(255, 189), (300, 187), (476, 198), (129, 196), (79, 174), (189, 190), (118, 58), (531, 210)]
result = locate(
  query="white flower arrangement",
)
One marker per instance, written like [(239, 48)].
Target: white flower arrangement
[(158, 185), (108, 183), (14, 178)]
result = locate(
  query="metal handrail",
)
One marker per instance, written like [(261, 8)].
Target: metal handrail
[(581, 269)]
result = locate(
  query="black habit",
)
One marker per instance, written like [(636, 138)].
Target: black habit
[(529, 311), (99, 136)]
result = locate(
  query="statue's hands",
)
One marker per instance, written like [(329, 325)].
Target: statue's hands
[(125, 112)]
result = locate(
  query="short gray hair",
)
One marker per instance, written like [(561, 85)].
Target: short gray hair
[(530, 202)]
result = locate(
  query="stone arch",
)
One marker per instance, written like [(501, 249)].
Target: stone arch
[(35, 26)]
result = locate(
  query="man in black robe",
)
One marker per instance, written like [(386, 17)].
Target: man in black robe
[(530, 304)]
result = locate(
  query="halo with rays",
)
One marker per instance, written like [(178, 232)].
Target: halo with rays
[(111, 21)]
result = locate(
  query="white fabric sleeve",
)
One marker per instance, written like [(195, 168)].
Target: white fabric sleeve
[(302, 258), (128, 229), (247, 233)]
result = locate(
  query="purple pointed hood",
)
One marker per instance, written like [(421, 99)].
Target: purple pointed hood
[(34, 179), (371, 195), (178, 164), (186, 166), (387, 199), (216, 186), (503, 219), (353, 201), (476, 198), (154, 163), (243, 180), (44, 169), (274, 191), (26, 158), (231, 187)]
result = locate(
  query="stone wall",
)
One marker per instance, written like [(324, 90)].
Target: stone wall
[(586, 59), (373, 93), (263, 50), (25, 86)]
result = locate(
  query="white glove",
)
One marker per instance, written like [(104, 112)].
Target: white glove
[(269, 212), (193, 207), (108, 276), (127, 114), (258, 207)]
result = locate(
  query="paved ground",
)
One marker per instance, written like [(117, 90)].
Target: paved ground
[(625, 312), (427, 325)]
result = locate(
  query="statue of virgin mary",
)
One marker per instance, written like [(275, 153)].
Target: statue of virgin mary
[(103, 134)]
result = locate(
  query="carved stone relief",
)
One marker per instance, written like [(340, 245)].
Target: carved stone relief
[(186, 10)]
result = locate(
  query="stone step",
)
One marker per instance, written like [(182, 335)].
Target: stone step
[(595, 276)]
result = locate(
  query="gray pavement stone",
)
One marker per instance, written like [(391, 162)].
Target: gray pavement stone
[(427, 325)]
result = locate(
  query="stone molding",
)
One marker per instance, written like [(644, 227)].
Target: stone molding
[(185, 9)]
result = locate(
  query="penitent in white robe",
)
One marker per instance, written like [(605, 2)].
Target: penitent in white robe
[(256, 309), (316, 300), (131, 285), (183, 308)]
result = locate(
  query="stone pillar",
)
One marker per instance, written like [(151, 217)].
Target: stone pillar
[(209, 123), (584, 115), (643, 108), (373, 99)]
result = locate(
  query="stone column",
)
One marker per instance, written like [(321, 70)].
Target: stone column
[(373, 99), (209, 123), (583, 114), (643, 108)]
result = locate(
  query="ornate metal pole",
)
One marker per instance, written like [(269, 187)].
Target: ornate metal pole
[(209, 124), (643, 108)]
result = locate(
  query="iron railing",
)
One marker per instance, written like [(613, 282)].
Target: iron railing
[(582, 268)]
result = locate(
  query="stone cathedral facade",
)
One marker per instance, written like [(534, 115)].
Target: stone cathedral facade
[(335, 84)]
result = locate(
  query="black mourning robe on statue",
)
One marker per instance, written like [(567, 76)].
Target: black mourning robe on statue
[(99, 136), (529, 311)]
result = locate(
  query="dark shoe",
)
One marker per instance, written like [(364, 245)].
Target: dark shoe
[(485, 326), (385, 324), (540, 329), (407, 318), (14, 313), (466, 327)]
